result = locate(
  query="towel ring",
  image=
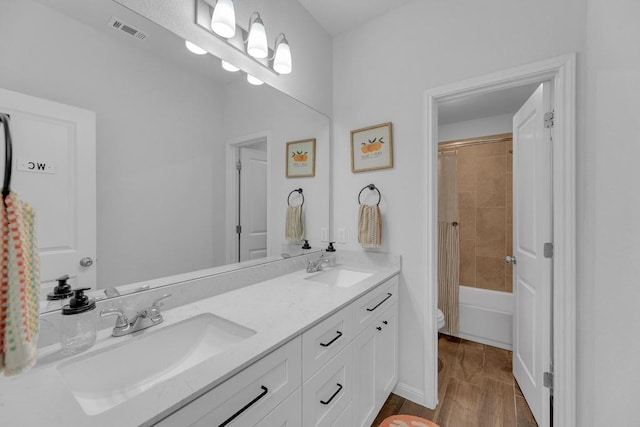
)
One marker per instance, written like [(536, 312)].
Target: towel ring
[(370, 187), (8, 159), (297, 190)]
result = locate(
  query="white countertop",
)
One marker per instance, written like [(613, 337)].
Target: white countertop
[(277, 309)]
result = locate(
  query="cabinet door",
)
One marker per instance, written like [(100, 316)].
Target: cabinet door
[(344, 419), (386, 354), (329, 391), (287, 414), (364, 387)]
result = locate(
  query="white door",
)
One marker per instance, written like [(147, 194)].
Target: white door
[(253, 204), (532, 213), (54, 169)]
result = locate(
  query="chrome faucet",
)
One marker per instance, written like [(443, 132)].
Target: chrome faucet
[(145, 318), (313, 266)]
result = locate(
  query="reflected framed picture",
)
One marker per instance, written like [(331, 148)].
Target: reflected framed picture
[(301, 158), (372, 148)]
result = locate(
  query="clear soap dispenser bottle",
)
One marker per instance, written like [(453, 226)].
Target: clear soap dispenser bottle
[(79, 323), (331, 254)]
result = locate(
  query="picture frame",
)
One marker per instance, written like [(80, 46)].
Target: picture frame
[(301, 158), (372, 148)]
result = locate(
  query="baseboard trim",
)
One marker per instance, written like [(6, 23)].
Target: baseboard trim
[(410, 393), (487, 341)]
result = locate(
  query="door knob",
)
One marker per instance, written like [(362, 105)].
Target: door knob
[(510, 260), (86, 262)]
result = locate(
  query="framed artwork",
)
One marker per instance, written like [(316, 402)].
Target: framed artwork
[(301, 158), (372, 148)]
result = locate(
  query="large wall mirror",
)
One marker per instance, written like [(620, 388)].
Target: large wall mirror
[(170, 128)]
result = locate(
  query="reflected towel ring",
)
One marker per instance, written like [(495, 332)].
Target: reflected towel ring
[(297, 190), (8, 158), (370, 187)]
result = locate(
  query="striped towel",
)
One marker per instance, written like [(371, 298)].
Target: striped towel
[(369, 226), (294, 229), (19, 286)]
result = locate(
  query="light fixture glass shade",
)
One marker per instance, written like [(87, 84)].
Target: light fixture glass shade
[(282, 58), (223, 20), (193, 48), (257, 41), (253, 80), (229, 67)]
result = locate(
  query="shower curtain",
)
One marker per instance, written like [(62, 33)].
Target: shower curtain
[(448, 240)]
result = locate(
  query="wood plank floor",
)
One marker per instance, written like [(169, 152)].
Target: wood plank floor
[(475, 389)]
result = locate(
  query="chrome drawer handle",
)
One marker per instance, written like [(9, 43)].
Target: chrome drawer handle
[(389, 295), (245, 407), (332, 341), (334, 395)]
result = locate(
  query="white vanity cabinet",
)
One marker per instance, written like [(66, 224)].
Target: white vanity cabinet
[(336, 374), (375, 351), (246, 398)]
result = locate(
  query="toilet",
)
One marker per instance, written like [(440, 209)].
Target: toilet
[(440, 319)]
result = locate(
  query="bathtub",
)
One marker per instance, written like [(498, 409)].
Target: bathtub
[(486, 316)]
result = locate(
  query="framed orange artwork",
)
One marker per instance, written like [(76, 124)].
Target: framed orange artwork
[(371, 148), (301, 158)]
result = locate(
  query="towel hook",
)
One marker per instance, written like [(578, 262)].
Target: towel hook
[(8, 158), (297, 190), (370, 187)]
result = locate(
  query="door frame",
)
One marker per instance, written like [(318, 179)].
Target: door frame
[(561, 72), (232, 145)]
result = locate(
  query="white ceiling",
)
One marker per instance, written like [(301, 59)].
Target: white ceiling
[(338, 16), (474, 107)]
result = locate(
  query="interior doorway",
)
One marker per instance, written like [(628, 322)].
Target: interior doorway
[(494, 207), (560, 73), (248, 178)]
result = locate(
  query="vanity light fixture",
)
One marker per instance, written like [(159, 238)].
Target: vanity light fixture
[(254, 81), (223, 20), (193, 48), (282, 57), (257, 41), (229, 66)]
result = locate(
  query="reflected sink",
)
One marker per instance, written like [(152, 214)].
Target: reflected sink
[(339, 277), (102, 380)]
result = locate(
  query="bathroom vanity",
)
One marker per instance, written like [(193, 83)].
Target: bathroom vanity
[(310, 349)]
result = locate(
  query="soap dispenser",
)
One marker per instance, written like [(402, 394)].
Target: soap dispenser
[(79, 323), (306, 247), (331, 254), (57, 298)]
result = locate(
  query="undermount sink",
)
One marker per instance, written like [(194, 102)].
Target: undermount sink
[(340, 277), (102, 380)]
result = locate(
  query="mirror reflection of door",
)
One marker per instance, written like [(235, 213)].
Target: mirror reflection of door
[(54, 170), (252, 201)]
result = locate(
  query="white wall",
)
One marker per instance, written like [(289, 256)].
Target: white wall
[(381, 70), (310, 80), (158, 167), (250, 109), (609, 253), (485, 126)]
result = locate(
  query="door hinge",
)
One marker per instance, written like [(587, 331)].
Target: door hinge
[(547, 380), (548, 250), (239, 165), (548, 119), (238, 229)]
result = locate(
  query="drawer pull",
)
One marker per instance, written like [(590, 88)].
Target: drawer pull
[(245, 407), (334, 395), (380, 303), (385, 322), (332, 341)]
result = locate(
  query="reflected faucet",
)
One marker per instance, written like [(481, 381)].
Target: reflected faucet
[(313, 266), (145, 318)]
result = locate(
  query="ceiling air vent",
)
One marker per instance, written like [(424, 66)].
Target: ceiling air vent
[(118, 24)]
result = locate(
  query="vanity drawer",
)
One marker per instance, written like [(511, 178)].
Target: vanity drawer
[(369, 306), (248, 396), (328, 393), (287, 414), (325, 340)]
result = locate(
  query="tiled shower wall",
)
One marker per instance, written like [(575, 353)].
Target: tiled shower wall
[(485, 212)]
